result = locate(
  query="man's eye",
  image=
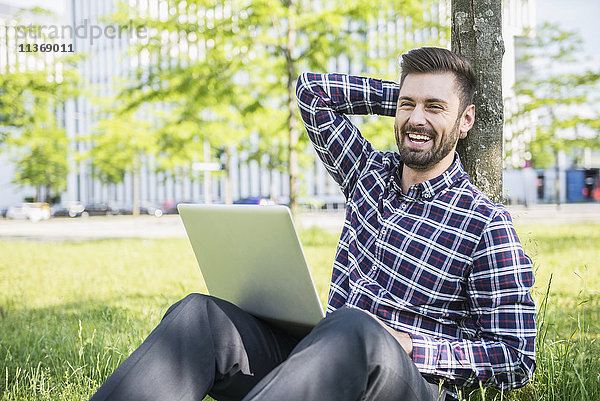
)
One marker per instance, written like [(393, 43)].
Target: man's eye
[(435, 107), (405, 104)]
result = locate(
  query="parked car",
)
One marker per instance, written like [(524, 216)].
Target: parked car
[(123, 208), (100, 209), (255, 200), (67, 209), (146, 207), (34, 211), (150, 208), (170, 206)]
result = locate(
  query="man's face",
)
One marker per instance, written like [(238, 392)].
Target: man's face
[(428, 124)]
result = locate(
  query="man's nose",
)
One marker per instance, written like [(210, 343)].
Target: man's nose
[(417, 116)]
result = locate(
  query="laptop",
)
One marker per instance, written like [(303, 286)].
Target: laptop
[(251, 256)]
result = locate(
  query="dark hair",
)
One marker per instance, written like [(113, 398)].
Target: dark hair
[(437, 59)]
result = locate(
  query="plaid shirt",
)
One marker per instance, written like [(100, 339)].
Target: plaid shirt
[(441, 262)]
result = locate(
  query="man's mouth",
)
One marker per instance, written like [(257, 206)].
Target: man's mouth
[(418, 138)]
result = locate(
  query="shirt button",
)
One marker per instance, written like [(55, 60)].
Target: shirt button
[(427, 195), (403, 206)]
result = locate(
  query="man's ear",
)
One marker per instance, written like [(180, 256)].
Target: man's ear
[(466, 121)]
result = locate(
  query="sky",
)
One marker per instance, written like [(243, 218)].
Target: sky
[(574, 15)]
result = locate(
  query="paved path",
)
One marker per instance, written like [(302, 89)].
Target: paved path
[(171, 226)]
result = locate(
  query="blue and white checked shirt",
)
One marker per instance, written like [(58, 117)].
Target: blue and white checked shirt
[(441, 263)]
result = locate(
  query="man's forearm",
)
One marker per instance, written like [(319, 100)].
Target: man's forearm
[(349, 94), (324, 102)]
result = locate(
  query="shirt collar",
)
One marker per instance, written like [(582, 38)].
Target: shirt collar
[(429, 189)]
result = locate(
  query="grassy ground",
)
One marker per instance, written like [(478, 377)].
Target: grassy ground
[(71, 312)]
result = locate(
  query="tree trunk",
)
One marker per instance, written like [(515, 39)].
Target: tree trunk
[(271, 183), (228, 183), (477, 36), (185, 188), (136, 190), (294, 132), (48, 187), (557, 179), (207, 176)]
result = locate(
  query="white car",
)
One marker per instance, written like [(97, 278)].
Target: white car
[(33, 211), (68, 209)]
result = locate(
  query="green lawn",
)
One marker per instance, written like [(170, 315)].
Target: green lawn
[(71, 311)]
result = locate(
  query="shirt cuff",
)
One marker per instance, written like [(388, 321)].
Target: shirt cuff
[(425, 353)]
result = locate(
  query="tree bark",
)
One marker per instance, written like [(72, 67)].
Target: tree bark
[(207, 176), (228, 183), (136, 189), (294, 131), (477, 36), (48, 186)]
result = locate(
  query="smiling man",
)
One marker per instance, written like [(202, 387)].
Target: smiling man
[(423, 251), (430, 286)]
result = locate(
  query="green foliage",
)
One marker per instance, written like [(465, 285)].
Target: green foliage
[(302, 35), (225, 71), (29, 131), (37, 146), (554, 96), (201, 86), (380, 131), (40, 156), (119, 146)]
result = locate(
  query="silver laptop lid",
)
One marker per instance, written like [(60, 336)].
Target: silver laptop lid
[(251, 256)]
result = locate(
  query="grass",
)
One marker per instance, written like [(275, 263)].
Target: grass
[(72, 311)]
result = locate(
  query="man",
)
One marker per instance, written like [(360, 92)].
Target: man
[(430, 286)]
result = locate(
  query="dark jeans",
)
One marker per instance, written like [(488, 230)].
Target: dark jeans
[(205, 345)]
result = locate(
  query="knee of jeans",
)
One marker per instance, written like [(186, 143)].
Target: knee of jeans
[(197, 298), (353, 323), (193, 300)]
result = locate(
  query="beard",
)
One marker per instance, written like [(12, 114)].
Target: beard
[(422, 160)]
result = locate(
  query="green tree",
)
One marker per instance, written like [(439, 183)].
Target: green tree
[(233, 66), (29, 101), (39, 154), (298, 34), (193, 68), (555, 95), (30, 132), (120, 145)]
